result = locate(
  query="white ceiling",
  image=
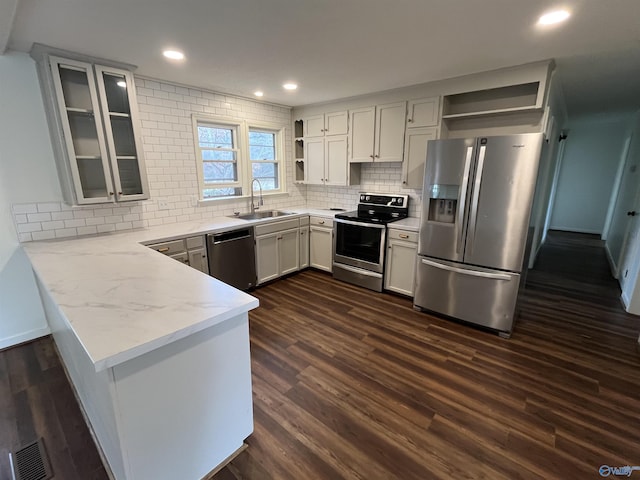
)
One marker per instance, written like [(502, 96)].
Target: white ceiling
[(342, 48)]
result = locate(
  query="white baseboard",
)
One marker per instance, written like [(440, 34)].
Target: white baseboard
[(575, 230), (612, 263), (625, 302), (24, 337)]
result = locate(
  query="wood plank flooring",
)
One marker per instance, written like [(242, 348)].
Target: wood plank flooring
[(353, 384), (36, 401)]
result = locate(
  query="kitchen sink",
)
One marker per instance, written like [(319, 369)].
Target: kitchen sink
[(261, 214)]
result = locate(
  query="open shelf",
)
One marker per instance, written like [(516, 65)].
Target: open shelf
[(512, 97), (489, 113), (299, 171)]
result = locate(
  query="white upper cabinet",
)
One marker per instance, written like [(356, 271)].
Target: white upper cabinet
[(326, 160), (423, 112), (362, 134), (93, 119), (336, 160), (415, 155), (334, 123), (377, 133), (314, 160), (390, 126), (313, 126)]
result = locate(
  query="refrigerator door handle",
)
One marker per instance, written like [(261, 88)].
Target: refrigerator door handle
[(476, 197), (473, 273), (463, 199)]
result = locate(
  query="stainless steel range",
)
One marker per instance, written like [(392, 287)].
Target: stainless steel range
[(359, 238)]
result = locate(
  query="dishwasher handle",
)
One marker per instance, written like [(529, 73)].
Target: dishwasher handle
[(218, 238)]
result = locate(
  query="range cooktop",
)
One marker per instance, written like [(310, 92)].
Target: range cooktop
[(378, 208)]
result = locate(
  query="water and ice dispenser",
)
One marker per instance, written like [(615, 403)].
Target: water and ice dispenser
[(443, 203)]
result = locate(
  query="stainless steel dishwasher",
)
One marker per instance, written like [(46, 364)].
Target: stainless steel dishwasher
[(232, 257)]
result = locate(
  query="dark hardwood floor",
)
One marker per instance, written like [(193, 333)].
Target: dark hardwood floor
[(353, 384)]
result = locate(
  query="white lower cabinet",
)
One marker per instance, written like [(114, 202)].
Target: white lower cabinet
[(190, 251), (321, 243), (277, 249), (400, 270), (304, 243)]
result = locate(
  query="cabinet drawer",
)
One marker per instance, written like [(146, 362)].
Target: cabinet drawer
[(181, 257), (321, 221), (276, 226), (304, 221), (169, 248), (402, 235), (195, 242)]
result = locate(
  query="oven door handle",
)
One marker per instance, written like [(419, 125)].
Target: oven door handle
[(359, 271), (360, 224)]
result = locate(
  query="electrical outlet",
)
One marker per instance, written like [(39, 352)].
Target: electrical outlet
[(163, 205)]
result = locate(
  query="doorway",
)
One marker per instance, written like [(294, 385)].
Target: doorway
[(597, 190)]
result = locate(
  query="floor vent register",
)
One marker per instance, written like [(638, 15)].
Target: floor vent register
[(31, 462)]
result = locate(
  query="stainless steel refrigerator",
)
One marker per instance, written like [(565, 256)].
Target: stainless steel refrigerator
[(476, 206)]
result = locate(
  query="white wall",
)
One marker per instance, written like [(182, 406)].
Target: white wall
[(26, 172), (31, 191), (587, 174)]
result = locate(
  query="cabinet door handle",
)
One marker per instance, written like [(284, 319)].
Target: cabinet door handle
[(110, 193), (409, 120), (321, 222), (164, 249), (402, 235), (119, 193), (371, 156), (377, 156)]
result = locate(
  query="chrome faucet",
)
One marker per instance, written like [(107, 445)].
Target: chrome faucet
[(260, 200)]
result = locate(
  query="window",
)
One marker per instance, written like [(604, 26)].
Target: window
[(262, 153), (223, 147), (217, 146)]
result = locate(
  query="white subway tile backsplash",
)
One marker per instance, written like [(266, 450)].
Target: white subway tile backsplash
[(66, 232), (106, 228), (78, 222), (45, 235), (87, 230), (53, 225), (25, 208), (38, 217), (66, 215), (49, 207), (29, 227)]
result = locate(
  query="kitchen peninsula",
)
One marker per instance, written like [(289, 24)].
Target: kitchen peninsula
[(157, 352)]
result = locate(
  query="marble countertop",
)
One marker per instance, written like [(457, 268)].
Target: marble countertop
[(123, 299), (411, 224)]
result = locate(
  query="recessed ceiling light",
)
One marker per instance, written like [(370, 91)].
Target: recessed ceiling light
[(122, 84), (289, 86), (173, 54), (258, 93), (556, 16)]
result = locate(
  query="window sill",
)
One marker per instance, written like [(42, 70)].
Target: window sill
[(212, 201)]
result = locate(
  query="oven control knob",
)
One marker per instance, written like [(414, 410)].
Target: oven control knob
[(367, 198)]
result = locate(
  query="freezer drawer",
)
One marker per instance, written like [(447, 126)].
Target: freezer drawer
[(473, 294)]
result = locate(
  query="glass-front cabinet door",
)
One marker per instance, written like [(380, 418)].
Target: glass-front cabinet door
[(82, 127), (116, 89), (100, 132)]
